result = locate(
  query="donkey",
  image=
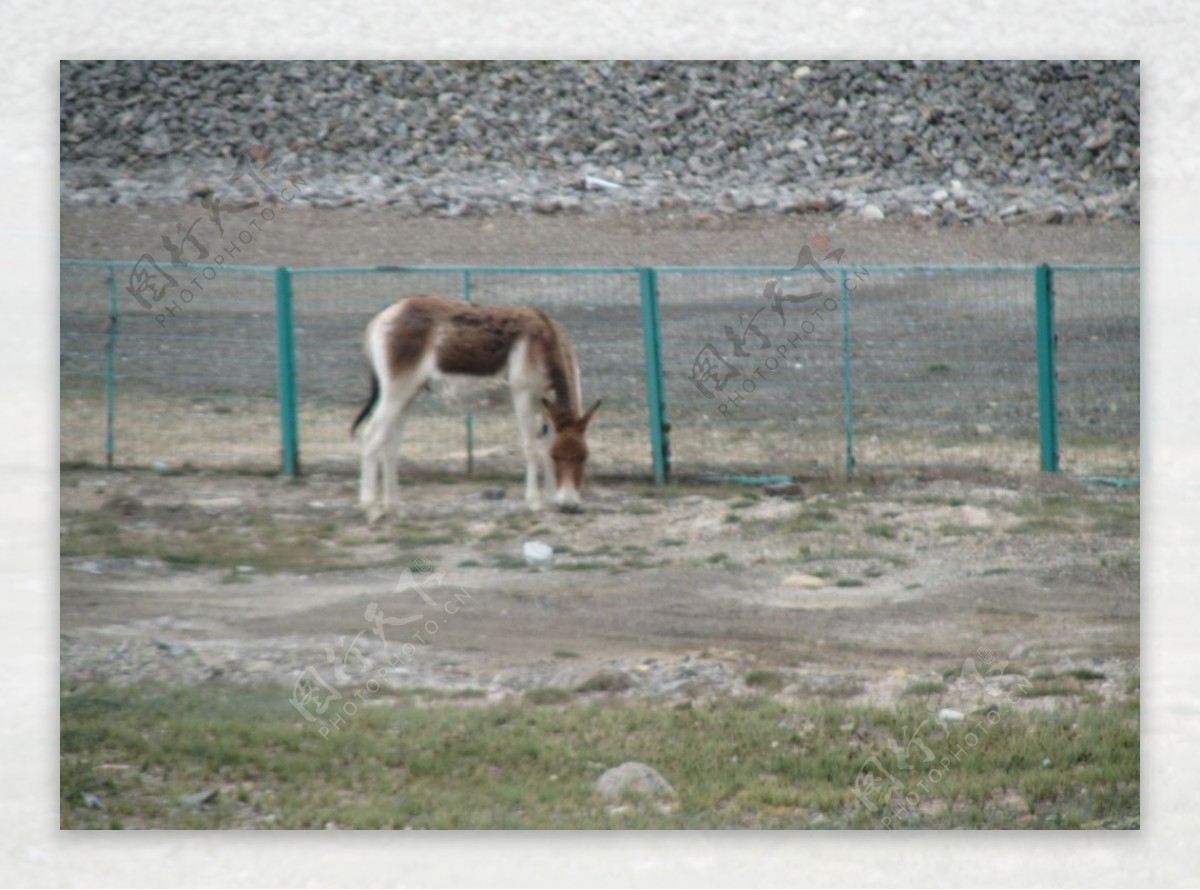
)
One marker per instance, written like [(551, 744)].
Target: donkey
[(424, 338)]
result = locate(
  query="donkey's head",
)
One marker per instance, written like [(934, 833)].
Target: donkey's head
[(569, 452)]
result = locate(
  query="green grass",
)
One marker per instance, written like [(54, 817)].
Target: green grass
[(734, 762), (771, 680), (882, 531), (925, 687), (849, 582)]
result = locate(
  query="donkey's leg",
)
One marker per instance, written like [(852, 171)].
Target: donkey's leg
[(536, 449), (381, 444)]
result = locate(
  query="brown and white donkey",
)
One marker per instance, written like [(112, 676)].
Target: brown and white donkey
[(423, 338)]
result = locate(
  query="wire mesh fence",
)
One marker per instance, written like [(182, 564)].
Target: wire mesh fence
[(1097, 321), (765, 371), (196, 387)]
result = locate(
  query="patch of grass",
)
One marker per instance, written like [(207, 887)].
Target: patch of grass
[(671, 542), (637, 562), (548, 696), (762, 679), (1045, 525), (732, 518), (582, 566), (470, 564), (849, 582), (642, 510), (565, 653), (602, 550), (995, 571), (498, 535), (738, 762), (606, 681), (508, 561), (882, 531), (239, 537), (1040, 690), (925, 687), (1085, 674), (938, 368), (952, 530), (1133, 684)]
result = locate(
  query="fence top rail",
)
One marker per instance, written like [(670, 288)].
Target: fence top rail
[(930, 269), (458, 270)]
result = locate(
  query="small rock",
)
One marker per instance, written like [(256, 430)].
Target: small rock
[(983, 429), (493, 494), (538, 554), (871, 213), (806, 582), (160, 466), (219, 503), (245, 570), (173, 649), (92, 801), (634, 777), (199, 799), (951, 715)]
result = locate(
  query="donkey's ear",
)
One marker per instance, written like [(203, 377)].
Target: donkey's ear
[(548, 405), (587, 418)]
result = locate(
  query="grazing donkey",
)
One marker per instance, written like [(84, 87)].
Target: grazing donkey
[(423, 338)]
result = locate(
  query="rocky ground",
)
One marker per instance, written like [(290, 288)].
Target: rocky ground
[(940, 144)]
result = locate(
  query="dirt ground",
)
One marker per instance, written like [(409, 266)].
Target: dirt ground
[(859, 588)]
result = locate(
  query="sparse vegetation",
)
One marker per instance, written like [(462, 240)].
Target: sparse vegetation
[(745, 763)]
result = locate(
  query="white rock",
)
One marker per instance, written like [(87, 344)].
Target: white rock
[(871, 213), (808, 582), (632, 776), (537, 553), (950, 715)]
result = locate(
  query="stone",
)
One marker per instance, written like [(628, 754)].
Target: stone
[(804, 582), (537, 553), (632, 777)]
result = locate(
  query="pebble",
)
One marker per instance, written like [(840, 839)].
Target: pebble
[(805, 582), (537, 553)]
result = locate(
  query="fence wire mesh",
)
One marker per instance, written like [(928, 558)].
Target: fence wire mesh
[(1098, 323), (196, 388), (751, 389), (942, 369)]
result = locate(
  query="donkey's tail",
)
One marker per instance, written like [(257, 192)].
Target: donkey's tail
[(371, 400)]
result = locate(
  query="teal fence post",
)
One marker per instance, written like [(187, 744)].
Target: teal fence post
[(1043, 278), (847, 402), (660, 446), (285, 338), (110, 369), (470, 414)]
